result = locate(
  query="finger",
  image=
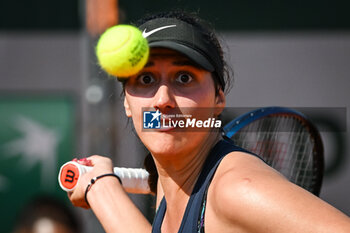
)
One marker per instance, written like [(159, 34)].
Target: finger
[(96, 159), (85, 161)]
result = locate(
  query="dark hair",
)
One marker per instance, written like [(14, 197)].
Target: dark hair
[(223, 71)]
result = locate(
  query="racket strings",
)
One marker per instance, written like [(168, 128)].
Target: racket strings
[(302, 166), (285, 144)]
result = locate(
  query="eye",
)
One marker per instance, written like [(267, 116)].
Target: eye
[(146, 79), (184, 78)]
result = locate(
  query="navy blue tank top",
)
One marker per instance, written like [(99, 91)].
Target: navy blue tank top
[(193, 219)]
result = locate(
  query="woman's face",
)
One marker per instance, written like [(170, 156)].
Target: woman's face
[(172, 84)]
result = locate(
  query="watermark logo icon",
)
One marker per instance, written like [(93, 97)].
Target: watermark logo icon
[(151, 119)]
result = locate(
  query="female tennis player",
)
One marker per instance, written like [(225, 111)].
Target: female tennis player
[(205, 183)]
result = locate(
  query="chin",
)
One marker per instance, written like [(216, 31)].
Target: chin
[(172, 142), (165, 143)]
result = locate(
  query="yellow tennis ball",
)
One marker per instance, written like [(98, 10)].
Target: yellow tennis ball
[(122, 51)]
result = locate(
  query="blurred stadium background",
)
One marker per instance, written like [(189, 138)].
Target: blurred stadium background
[(56, 104)]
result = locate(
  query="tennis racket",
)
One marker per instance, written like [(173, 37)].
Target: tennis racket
[(284, 138), (134, 180)]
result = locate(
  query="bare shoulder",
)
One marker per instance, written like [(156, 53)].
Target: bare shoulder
[(239, 171), (244, 186), (243, 180)]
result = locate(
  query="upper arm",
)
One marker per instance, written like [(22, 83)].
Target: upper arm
[(247, 193)]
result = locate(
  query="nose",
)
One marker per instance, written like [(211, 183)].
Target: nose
[(164, 98)]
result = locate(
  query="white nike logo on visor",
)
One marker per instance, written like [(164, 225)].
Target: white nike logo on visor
[(146, 34)]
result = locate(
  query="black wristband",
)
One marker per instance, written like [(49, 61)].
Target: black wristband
[(93, 180)]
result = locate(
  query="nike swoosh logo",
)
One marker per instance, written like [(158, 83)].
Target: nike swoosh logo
[(147, 34)]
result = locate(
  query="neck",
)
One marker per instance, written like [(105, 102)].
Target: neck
[(177, 177), (178, 173)]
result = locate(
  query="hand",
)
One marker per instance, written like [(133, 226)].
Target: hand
[(101, 165)]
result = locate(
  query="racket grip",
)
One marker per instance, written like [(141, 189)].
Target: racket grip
[(134, 180)]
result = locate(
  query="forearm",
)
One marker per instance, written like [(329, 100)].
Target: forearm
[(114, 209)]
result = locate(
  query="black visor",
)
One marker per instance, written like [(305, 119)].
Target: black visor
[(184, 38)]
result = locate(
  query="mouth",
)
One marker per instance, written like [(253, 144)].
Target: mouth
[(166, 129), (166, 124), (172, 123)]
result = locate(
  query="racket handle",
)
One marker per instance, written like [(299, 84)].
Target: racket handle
[(134, 180)]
